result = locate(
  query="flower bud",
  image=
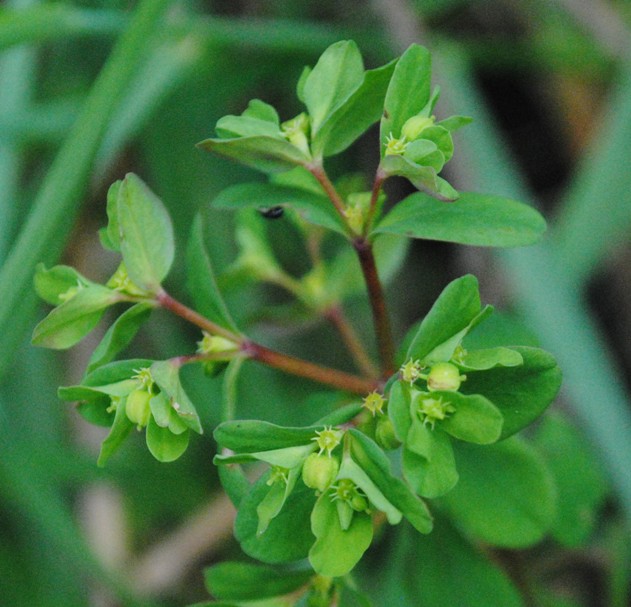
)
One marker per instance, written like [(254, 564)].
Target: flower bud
[(319, 471), (137, 407), (444, 376), (384, 434)]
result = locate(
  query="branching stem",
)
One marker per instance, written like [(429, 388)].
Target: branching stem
[(320, 174), (308, 370), (173, 305), (335, 314), (289, 364)]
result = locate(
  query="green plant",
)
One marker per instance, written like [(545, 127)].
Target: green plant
[(435, 419)]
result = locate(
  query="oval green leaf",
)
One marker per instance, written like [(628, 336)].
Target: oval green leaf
[(452, 313), (408, 91), (506, 495), (119, 335), (336, 75), (70, 322), (336, 551), (201, 281), (146, 233), (163, 444), (288, 536), (521, 393), (313, 207), (474, 219), (230, 581)]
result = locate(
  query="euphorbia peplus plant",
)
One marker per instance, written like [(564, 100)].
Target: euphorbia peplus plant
[(407, 426)]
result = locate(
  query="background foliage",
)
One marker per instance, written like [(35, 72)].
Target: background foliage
[(92, 89)]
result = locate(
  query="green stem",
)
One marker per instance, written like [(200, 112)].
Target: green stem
[(44, 234), (378, 304)]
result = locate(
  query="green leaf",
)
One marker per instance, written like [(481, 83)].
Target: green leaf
[(399, 400), (352, 471), (335, 551), (121, 427), (447, 570), (267, 154), (476, 419), (201, 281), (251, 436), (473, 219), (506, 495), (119, 335), (489, 358), (166, 375), (52, 284), (70, 322), (340, 416), (428, 461), (452, 313), (408, 91), (164, 414), (288, 536), (163, 444), (272, 504), (232, 581), (336, 75), (313, 207), (579, 478), (114, 372), (146, 234), (422, 177), (376, 466), (234, 481), (110, 236), (520, 393), (259, 118), (350, 120)]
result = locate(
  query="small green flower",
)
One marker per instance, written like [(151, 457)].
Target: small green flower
[(431, 409), (411, 371), (374, 402), (328, 439)]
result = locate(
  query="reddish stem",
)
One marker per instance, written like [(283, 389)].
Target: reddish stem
[(320, 174), (308, 370), (377, 303), (178, 308), (380, 177), (289, 364), (336, 316)]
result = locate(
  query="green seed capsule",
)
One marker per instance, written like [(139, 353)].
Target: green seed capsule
[(384, 434), (319, 471), (414, 126), (444, 376), (137, 407)]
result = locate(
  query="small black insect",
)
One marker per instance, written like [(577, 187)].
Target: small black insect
[(271, 212)]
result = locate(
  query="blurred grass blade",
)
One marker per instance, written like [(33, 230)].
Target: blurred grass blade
[(16, 81), (546, 294), (168, 65), (57, 202), (55, 21), (595, 215)]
